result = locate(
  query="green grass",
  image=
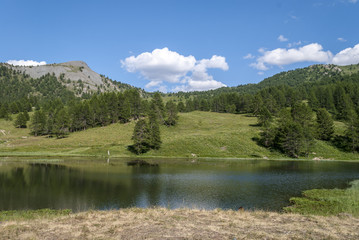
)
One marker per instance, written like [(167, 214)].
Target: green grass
[(199, 134), (32, 214), (327, 202)]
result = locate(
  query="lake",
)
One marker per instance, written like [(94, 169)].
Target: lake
[(96, 184)]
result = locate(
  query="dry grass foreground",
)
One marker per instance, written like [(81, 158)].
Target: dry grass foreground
[(161, 223)]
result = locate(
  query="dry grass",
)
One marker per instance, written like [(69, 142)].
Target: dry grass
[(160, 223)]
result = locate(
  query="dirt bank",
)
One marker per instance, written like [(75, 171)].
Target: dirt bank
[(162, 223)]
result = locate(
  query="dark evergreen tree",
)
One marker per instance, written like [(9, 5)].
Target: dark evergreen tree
[(181, 107), (303, 115), (27, 116), (38, 123), (290, 138), (172, 113), (352, 132), (61, 126), (265, 117), (4, 112), (325, 125), (20, 121), (342, 103), (140, 137), (159, 107), (154, 129)]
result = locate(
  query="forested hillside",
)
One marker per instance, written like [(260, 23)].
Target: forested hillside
[(295, 109)]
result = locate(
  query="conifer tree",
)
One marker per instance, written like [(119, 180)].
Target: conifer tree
[(159, 107), (140, 137), (352, 132), (61, 123), (172, 113), (325, 125), (154, 129), (181, 107), (38, 123), (20, 121), (265, 117), (4, 112), (303, 115)]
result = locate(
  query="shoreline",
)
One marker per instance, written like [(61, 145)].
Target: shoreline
[(162, 223), (221, 159)]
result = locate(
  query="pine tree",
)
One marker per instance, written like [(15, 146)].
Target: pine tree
[(352, 132), (61, 123), (154, 129), (303, 115), (290, 138), (265, 117), (4, 113), (325, 125), (20, 121), (26, 114), (140, 137), (172, 113), (159, 107), (38, 123), (181, 107)]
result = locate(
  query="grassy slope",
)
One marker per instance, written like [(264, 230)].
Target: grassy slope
[(205, 134)]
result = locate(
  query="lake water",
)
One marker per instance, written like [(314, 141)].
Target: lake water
[(80, 184)]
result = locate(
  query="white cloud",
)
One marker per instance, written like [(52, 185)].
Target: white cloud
[(352, 1), (347, 56), (153, 84), (259, 65), (163, 65), (25, 63), (160, 65), (249, 56), (281, 38), (309, 53), (342, 39)]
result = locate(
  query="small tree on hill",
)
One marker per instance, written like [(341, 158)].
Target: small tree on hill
[(20, 121), (140, 137), (172, 113), (154, 129), (325, 125), (352, 131), (38, 123), (61, 123)]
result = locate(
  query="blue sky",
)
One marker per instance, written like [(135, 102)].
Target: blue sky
[(181, 45)]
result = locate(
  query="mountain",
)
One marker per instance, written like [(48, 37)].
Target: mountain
[(312, 75), (319, 73), (76, 76)]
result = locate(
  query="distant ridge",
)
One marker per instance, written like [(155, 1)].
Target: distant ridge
[(75, 75)]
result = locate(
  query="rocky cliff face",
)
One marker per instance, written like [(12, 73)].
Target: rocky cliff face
[(75, 75)]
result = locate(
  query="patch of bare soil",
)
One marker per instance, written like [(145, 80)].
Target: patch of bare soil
[(160, 223)]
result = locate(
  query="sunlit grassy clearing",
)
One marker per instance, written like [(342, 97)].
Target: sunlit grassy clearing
[(197, 134)]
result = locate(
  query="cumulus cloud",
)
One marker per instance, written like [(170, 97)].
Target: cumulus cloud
[(160, 65), (187, 73), (309, 53), (25, 63), (281, 38), (347, 56)]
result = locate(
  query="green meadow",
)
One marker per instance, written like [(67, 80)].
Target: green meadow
[(197, 135)]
